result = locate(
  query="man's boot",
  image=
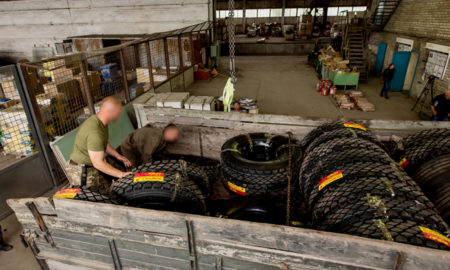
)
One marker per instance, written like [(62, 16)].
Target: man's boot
[(3, 245)]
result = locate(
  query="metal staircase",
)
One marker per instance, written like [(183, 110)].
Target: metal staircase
[(355, 49), (381, 13), (356, 36)]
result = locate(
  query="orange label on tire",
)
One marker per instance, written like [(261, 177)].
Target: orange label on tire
[(148, 177), (330, 179), (236, 189), (435, 236), (354, 125), (403, 163), (68, 193)]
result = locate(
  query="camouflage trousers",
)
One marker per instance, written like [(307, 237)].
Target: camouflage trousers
[(93, 179)]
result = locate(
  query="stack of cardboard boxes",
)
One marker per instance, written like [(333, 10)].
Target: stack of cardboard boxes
[(61, 73), (305, 26)]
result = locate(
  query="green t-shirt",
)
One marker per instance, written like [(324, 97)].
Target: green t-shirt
[(92, 135)]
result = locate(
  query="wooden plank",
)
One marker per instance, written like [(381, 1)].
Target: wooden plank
[(376, 125), (43, 204), (129, 218), (326, 246)]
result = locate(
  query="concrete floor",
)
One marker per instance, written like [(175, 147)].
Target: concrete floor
[(19, 258), (286, 85)]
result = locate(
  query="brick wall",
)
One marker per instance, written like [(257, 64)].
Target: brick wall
[(421, 18), (421, 21)]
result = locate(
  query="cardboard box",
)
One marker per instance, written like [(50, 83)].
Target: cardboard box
[(61, 74), (9, 89), (110, 71), (136, 90), (94, 82), (69, 88), (143, 75), (69, 60)]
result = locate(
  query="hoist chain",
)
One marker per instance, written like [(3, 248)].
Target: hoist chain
[(231, 37)]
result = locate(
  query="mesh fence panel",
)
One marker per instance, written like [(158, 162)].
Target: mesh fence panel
[(15, 137), (187, 50), (158, 61), (174, 55)]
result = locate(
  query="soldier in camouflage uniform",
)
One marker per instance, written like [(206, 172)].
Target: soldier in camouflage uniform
[(87, 161)]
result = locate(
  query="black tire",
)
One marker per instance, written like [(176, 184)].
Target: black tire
[(257, 164), (433, 177), (320, 130), (344, 133), (351, 185), (88, 194), (425, 135), (176, 192), (210, 166)]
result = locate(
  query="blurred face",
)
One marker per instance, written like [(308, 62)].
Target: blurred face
[(171, 134), (391, 66), (447, 94), (114, 113)]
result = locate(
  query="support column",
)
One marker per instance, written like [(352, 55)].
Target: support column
[(166, 56), (244, 18), (283, 7), (124, 76)]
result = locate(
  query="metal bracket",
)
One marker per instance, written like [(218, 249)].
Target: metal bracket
[(40, 221), (115, 254), (191, 245)]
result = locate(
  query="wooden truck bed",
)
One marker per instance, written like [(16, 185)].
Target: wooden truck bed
[(84, 235), (69, 234)]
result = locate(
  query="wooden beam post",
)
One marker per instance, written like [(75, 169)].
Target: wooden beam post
[(149, 64), (124, 76), (166, 56)]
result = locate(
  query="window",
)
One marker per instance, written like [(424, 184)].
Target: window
[(317, 12), (263, 13), (223, 14), (290, 12), (302, 11), (332, 11), (342, 9), (238, 13), (363, 8), (251, 13), (276, 12)]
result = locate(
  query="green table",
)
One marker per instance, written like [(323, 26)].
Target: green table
[(344, 79)]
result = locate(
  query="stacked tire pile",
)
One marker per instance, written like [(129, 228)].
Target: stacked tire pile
[(171, 185), (351, 185), (257, 164), (426, 158), (255, 170)]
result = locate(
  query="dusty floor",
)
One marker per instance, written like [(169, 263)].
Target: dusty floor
[(19, 258), (286, 85)]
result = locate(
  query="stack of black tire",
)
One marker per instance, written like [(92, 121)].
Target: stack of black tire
[(351, 185), (257, 164), (426, 158), (255, 169), (180, 186)]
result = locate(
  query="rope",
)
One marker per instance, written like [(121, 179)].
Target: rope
[(179, 179), (289, 177)]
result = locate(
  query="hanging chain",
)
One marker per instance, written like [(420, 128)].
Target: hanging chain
[(231, 37), (289, 178)]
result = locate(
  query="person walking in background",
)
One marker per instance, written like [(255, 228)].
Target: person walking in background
[(388, 74)]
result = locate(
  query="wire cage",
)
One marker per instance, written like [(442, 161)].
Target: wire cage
[(173, 55), (64, 90), (16, 140)]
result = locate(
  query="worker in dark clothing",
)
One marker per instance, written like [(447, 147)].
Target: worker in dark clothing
[(440, 106), (388, 74), (140, 146)]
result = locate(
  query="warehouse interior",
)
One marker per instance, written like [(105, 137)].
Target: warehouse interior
[(234, 134)]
